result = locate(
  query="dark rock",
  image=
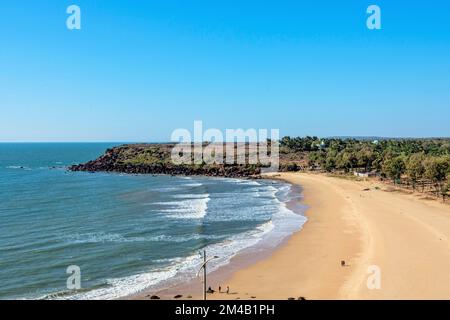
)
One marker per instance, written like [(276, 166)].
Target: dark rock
[(154, 297), (135, 159)]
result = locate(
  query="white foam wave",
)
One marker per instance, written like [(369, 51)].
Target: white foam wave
[(190, 196), (192, 208), (170, 189), (18, 167), (120, 287), (177, 267), (249, 183), (283, 222), (99, 237), (195, 184), (112, 237)]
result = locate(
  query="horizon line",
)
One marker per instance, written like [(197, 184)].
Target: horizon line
[(303, 136)]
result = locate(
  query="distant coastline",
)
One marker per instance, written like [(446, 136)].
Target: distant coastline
[(420, 164)]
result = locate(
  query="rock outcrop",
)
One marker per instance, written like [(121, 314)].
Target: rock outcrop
[(156, 159)]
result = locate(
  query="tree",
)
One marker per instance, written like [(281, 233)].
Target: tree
[(445, 191), (330, 163), (313, 159), (364, 157), (345, 160), (415, 168), (436, 170), (394, 168)]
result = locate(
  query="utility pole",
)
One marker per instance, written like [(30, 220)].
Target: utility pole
[(203, 266), (204, 274)]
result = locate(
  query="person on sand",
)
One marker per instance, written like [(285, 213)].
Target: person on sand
[(228, 289), (220, 289)]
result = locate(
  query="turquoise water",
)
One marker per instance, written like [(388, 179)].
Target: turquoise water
[(125, 232)]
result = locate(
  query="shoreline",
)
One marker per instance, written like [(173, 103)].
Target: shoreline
[(404, 235), (243, 259), (362, 223), (302, 266)]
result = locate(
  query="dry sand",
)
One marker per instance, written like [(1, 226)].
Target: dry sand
[(405, 236)]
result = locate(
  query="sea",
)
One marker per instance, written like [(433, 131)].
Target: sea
[(80, 235)]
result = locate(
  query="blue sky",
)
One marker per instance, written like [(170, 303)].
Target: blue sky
[(137, 70)]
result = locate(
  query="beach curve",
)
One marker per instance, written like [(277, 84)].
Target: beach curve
[(365, 225)]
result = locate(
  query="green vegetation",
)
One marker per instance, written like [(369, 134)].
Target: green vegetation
[(409, 162), (420, 164)]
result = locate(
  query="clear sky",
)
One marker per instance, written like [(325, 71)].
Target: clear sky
[(137, 70)]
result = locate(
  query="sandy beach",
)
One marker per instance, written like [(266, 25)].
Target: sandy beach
[(364, 223)]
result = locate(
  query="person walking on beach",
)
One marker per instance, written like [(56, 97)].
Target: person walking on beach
[(228, 289), (220, 289)]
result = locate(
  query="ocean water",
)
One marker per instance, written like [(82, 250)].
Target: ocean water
[(126, 233)]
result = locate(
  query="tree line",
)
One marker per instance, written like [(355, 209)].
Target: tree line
[(418, 163)]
